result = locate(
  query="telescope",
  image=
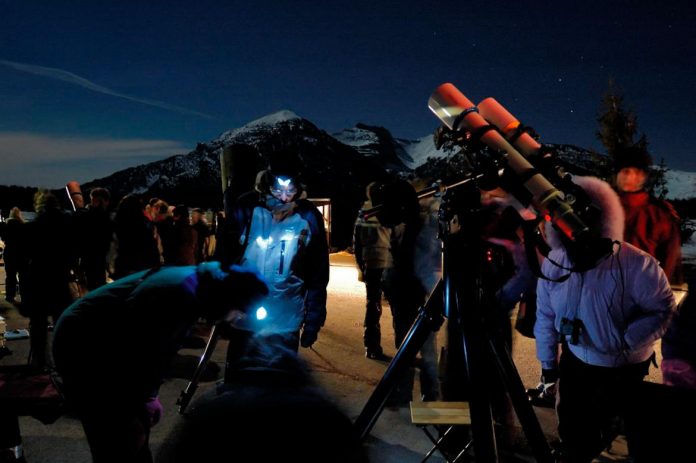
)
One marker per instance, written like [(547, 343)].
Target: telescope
[(457, 112), (532, 177)]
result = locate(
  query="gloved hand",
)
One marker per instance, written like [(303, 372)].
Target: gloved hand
[(308, 337), (153, 410), (544, 395), (549, 376)]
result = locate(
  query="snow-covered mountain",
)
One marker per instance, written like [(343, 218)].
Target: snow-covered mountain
[(394, 153), (680, 184), (331, 169), (336, 166)]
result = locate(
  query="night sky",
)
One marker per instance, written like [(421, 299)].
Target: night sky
[(91, 87)]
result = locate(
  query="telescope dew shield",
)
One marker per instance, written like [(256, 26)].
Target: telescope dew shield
[(456, 111)]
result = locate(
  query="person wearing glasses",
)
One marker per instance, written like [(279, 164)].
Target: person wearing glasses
[(275, 230)]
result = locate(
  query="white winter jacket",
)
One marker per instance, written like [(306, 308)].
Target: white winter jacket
[(625, 304)]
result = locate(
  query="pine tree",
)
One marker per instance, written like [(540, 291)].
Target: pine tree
[(617, 126), (659, 184), (617, 130)]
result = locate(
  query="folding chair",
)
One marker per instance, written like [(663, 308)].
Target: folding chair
[(443, 417)]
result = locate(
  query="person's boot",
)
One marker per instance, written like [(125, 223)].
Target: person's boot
[(376, 353)]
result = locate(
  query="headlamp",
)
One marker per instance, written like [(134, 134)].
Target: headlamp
[(284, 182), (261, 313)]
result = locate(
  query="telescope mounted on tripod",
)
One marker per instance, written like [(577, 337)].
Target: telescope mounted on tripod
[(502, 154)]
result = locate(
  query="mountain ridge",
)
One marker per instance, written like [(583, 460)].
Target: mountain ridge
[(336, 166)]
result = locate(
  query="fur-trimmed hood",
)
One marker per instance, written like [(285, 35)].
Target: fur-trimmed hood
[(612, 219)]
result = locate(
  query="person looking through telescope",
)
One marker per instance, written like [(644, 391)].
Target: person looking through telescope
[(606, 319)]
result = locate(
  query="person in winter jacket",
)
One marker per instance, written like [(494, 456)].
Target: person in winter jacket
[(652, 224), (112, 370), (275, 230), (96, 237), (14, 255), (137, 238), (405, 284), (606, 321), (52, 257), (373, 256)]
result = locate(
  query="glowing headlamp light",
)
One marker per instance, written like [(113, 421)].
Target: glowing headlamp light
[(284, 182), (261, 313)]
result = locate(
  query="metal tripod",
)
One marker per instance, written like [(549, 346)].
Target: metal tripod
[(187, 394), (462, 296)]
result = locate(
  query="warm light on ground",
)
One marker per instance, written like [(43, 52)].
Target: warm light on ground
[(344, 282)]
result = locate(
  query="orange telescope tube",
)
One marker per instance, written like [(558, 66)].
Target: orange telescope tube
[(497, 115), (455, 110)]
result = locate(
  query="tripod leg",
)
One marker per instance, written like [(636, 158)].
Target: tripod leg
[(187, 394), (482, 428), (428, 320), (520, 401)]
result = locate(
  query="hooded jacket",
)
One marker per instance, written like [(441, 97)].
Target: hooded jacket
[(624, 303), (371, 242), (286, 243), (96, 346), (653, 226)]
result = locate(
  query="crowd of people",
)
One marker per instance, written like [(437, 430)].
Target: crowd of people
[(60, 255), (156, 263), (596, 327)]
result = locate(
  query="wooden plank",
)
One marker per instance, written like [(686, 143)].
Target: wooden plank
[(440, 412)]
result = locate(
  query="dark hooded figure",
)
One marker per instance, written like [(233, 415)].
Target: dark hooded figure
[(112, 371), (277, 232), (268, 409), (52, 252)]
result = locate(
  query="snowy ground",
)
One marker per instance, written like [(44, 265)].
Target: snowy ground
[(689, 258)]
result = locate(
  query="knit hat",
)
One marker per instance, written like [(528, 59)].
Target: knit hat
[(632, 156)]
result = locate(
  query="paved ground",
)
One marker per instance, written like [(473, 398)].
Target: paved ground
[(337, 362)]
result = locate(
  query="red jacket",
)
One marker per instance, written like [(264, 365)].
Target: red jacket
[(653, 226)]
